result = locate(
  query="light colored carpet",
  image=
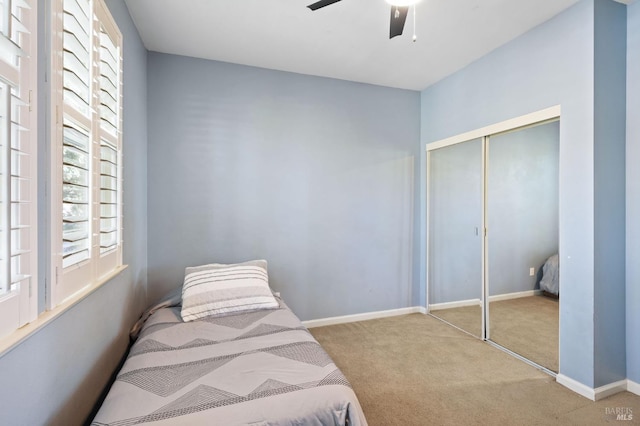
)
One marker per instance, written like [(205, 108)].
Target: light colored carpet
[(468, 318), (416, 370), (527, 326)]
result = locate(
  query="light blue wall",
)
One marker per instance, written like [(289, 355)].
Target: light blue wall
[(550, 65), (555, 64), (609, 190), (522, 206), (313, 174), (57, 375), (633, 192)]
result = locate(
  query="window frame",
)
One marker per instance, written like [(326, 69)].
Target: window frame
[(19, 306), (67, 282)]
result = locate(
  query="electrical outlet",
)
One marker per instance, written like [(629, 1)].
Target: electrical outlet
[(532, 271)]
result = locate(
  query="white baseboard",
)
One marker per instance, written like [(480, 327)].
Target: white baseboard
[(590, 393), (576, 386), (363, 317), (474, 302), (458, 304), (633, 387), (516, 295), (610, 389)]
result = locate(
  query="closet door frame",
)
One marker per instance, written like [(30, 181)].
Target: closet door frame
[(534, 118)]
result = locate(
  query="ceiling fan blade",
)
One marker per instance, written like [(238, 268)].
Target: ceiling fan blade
[(398, 18), (321, 3)]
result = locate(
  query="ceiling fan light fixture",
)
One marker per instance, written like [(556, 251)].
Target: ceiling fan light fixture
[(402, 3)]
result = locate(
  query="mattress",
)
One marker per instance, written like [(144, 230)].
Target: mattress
[(255, 368)]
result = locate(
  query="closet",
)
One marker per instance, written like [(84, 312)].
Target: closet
[(492, 233)]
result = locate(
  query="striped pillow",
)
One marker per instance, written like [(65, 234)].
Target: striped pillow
[(219, 289)]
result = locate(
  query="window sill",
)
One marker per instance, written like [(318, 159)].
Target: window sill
[(7, 344)]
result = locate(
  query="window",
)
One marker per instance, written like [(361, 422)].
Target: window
[(86, 187), (18, 164)]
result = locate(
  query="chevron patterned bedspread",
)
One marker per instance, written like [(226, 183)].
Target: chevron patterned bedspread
[(256, 368)]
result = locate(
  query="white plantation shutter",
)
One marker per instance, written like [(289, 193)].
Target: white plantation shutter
[(108, 197), (109, 84), (109, 96), (76, 132), (76, 159), (18, 165), (86, 92), (77, 54)]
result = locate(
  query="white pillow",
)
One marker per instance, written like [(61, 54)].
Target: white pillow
[(219, 289)]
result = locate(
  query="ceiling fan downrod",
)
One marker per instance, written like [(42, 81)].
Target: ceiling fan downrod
[(415, 37)]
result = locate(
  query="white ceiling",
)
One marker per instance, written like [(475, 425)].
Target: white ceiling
[(348, 40)]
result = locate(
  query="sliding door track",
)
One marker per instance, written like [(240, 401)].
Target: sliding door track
[(453, 325), (521, 358), (502, 348)]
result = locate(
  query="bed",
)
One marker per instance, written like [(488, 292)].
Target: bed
[(550, 282), (256, 367)]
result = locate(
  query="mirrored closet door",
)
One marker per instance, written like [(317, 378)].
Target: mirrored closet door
[(454, 241), (522, 241), (492, 235)]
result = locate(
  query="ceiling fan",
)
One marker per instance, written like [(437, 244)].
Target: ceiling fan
[(399, 11)]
